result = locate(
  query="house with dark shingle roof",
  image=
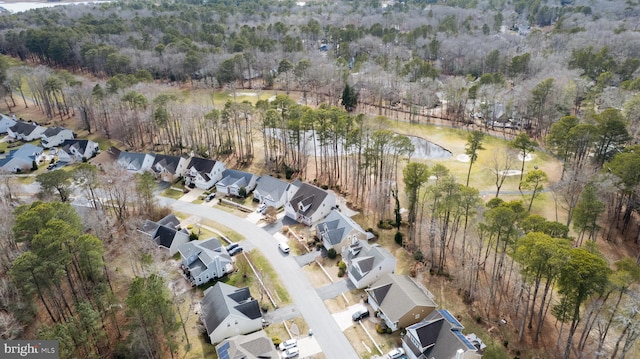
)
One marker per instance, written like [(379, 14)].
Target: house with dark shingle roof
[(228, 311), (5, 123), (166, 233), (25, 131), (251, 346), (21, 160), (54, 136), (135, 161), (338, 230), (309, 204), (400, 301), (205, 260), (203, 173), (366, 263), (439, 335), (271, 191), (169, 168), (233, 180), (76, 150)]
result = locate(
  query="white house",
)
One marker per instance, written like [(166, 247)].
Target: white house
[(55, 136), (271, 191), (25, 131), (5, 123), (309, 204), (21, 160), (338, 230), (205, 260), (166, 233), (135, 161), (367, 263), (169, 168), (228, 311), (233, 180), (76, 150), (203, 173)]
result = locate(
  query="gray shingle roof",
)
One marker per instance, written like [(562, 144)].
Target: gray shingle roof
[(363, 257), (271, 186), (251, 346), (222, 300), (439, 336), (310, 196), (170, 163), (131, 159), (79, 145), (336, 226), (24, 128), (398, 294), (202, 165), (52, 131), (239, 178)]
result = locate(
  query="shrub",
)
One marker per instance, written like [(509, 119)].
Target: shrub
[(398, 238), (242, 192), (193, 236), (276, 341), (340, 272), (331, 253), (265, 308), (418, 256), (384, 225), (342, 265)]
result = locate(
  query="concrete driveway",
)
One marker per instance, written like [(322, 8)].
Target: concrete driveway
[(326, 331)]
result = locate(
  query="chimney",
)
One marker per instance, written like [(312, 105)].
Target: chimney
[(459, 354)]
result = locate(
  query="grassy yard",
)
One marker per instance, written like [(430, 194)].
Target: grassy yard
[(172, 193)]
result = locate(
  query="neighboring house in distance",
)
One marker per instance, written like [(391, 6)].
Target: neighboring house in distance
[(309, 204), (338, 230), (21, 160), (5, 123), (76, 150), (228, 311), (166, 233), (233, 180), (54, 136), (367, 263), (205, 260), (251, 346), (135, 161), (203, 173), (26, 131), (169, 168), (400, 301), (439, 335), (271, 191)]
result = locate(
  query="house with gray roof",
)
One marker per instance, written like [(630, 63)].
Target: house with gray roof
[(169, 168), (136, 162), (399, 301), (309, 204), (338, 230), (25, 131), (54, 136), (5, 123), (251, 346), (21, 159), (205, 260), (76, 150), (233, 180), (366, 263), (203, 173), (271, 191), (439, 335), (166, 233), (228, 311)]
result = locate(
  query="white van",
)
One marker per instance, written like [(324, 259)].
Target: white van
[(284, 247)]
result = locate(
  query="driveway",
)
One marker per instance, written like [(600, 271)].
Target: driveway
[(335, 289), (326, 331)]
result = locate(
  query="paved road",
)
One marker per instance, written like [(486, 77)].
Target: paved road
[(326, 331)]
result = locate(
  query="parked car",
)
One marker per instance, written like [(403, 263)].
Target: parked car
[(232, 246), (288, 344), (235, 251), (360, 314), (396, 353), (262, 208), (210, 197), (290, 353), (284, 247)]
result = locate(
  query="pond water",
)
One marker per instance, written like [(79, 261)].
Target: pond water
[(310, 145)]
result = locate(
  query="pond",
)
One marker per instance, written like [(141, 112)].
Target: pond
[(428, 150)]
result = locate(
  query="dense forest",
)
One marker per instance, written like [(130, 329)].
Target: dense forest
[(557, 76)]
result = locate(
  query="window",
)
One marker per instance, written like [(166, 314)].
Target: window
[(417, 316)]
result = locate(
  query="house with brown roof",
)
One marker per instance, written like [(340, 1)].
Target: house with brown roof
[(251, 346), (399, 301)]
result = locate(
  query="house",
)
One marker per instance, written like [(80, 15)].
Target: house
[(338, 230), (5, 123), (205, 260), (76, 150), (271, 191), (439, 335), (251, 346), (399, 301), (54, 136), (203, 173), (135, 161), (367, 263), (232, 181), (22, 159), (228, 311), (169, 168), (25, 131), (309, 204), (166, 233)]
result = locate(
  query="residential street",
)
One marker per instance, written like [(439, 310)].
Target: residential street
[(326, 331)]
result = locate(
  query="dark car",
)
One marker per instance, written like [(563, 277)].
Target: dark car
[(360, 314), (235, 251), (232, 246)]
